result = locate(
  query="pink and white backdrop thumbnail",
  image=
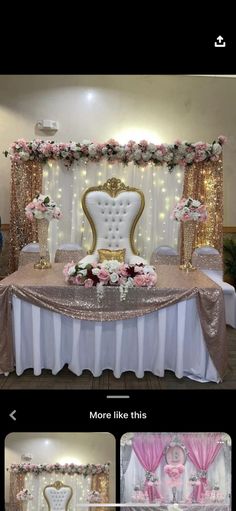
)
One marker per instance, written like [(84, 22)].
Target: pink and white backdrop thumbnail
[(202, 475)]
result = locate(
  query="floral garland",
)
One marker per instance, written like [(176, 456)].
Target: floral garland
[(142, 153), (68, 468)]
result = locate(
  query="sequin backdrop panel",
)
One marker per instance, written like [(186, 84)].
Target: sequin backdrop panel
[(26, 179), (204, 181)]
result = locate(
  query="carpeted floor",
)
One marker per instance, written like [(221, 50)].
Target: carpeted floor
[(128, 381)]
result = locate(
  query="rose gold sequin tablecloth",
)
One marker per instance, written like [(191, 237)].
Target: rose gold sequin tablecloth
[(47, 289)]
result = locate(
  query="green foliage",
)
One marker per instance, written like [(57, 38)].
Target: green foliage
[(230, 257)]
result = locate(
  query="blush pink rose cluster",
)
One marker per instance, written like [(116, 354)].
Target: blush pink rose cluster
[(110, 273), (42, 206), (189, 209)]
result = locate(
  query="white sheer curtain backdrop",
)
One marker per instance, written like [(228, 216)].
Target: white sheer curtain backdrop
[(219, 472), (161, 188), (80, 486)]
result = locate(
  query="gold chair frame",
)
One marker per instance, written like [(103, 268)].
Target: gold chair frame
[(57, 485), (113, 187)]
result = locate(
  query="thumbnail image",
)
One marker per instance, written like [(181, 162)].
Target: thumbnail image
[(186, 470), (44, 471)]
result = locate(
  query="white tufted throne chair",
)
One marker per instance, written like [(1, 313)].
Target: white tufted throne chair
[(113, 211), (58, 496)]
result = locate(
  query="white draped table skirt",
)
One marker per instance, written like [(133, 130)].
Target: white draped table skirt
[(170, 338)]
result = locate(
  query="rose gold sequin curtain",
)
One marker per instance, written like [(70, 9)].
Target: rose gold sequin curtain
[(204, 181), (26, 179), (100, 483), (16, 485)]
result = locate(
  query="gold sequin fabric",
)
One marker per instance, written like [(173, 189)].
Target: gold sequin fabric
[(30, 257), (204, 181), (208, 261), (26, 180)]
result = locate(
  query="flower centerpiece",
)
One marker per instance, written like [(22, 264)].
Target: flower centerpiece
[(94, 496), (110, 273), (42, 209), (189, 211), (139, 495), (24, 496)]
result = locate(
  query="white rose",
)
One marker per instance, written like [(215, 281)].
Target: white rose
[(137, 154), (83, 273), (24, 156), (168, 157), (71, 270), (114, 277), (216, 149), (151, 148), (111, 265), (73, 146), (95, 271), (39, 214), (189, 157), (158, 155), (64, 154), (196, 203), (83, 265), (148, 269), (147, 156), (92, 152)]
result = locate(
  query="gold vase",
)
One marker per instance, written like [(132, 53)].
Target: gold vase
[(24, 505), (189, 232), (42, 227)]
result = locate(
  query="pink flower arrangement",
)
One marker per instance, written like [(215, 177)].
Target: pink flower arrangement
[(24, 495), (110, 273), (142, 153), (94, 496), (189, 209), (42, 206)]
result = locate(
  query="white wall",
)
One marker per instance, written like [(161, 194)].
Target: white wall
[(159, 108), (78, 448)]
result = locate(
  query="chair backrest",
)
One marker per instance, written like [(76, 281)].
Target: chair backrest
[(207, 258), (58, 496), (113, 211), (164, 254), (166, 250)]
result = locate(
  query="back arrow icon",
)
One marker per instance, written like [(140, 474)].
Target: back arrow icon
[(12, 415)]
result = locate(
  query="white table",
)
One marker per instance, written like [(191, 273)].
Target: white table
[(170, 338)]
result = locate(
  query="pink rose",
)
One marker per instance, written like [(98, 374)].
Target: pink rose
[(41, 207), (185, 217), (79, 280), (122, 280), (67, 267), (29, 215), (140, 280), (88, 283), (31, 205), (103, 275), (123, 270), (222, 139), (151, 279)]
